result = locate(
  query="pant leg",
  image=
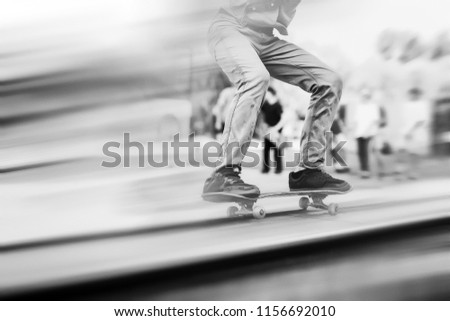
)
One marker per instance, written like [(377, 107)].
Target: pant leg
[(369, 152), (360, 143), (363, 150), (266, 160), (278, 157), (289, 63), (239, 60)]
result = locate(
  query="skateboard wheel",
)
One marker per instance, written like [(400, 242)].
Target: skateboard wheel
[(303, 203), (332, 209), (259, 212), (231, 211)]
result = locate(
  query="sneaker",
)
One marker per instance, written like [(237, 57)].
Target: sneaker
[(342, 170), (225, 185), (316, 180)]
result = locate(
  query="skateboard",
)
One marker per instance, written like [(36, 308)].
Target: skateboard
[(247, 206)]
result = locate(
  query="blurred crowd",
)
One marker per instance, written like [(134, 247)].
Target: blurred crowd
[(394, 112)]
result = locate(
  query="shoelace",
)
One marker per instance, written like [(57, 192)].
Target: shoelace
[(233, 178)]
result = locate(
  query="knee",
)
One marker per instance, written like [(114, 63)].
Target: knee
[(258, 79), (333, 82)]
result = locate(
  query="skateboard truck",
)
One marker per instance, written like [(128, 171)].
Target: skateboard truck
[(317, 202), (246, 208), (249, 208)]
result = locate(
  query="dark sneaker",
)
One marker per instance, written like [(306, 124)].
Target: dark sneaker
[(317, 180), (225, 185), (343, 170)]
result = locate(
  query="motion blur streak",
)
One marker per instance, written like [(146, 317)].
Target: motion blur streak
[(76, 74)]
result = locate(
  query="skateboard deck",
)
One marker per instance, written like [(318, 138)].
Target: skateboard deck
[(247, 206)]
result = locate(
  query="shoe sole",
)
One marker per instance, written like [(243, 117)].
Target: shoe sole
[(330, 191), (223, 197)]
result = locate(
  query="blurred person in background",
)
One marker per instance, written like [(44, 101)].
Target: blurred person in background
[(367, 115), (272, 127), (221, 109), (241, 39), (415, 134), (383, 150), (338, 128)]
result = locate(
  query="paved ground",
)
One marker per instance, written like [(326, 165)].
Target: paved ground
[(66, 224), (83, 198)]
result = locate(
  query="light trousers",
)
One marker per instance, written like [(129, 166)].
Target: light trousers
[(249, 58)]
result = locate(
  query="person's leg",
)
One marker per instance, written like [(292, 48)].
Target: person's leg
[(240, 62), (289, 63), (278, 159), (365, 163), (238, 59), (380, 163), (360, 143), (266, 160)]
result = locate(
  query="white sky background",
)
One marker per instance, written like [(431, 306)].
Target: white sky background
[(352, 25)]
